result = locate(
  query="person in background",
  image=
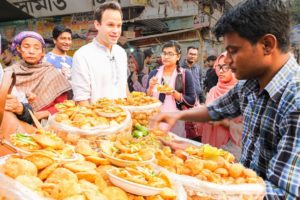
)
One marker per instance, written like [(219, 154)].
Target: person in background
[(37, 77), (137, 80), (211, 78), (6, 55), (256, 35), (100, 67), (190, 63), (148, 57), (226, 133), (183, 93), (62, 38)]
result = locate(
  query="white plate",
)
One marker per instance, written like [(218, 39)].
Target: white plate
[(120, 162), (131, 187)]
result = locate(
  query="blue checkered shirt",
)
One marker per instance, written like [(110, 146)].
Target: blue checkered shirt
[(271, 128)]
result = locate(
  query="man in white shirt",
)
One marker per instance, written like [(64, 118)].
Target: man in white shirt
[(100, 67)]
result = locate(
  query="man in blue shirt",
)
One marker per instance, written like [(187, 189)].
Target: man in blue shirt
[(191, 63), (256, 37), (62, 38)]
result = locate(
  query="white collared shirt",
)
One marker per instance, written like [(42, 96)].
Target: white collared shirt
[(98, 73)]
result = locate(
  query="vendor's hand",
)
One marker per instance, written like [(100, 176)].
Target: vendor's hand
[(42, 114), (224, 123), (30, 97), (176, 144), (13, 105), (168, 118), (134, 77)]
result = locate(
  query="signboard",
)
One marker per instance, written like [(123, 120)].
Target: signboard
[(45, 8)]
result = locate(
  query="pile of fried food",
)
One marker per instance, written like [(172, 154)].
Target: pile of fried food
[(206, 163), (164, 88), (136, 99), (96, 115), (85, 178), (127, 150), (42, 142)]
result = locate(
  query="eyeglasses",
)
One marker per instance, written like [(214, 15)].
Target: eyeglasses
[(169, 54), (224, 67)]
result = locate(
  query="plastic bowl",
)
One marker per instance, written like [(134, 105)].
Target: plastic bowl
[(125, 163), (131, 187)]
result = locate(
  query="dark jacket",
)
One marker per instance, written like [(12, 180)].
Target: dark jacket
[(188, 97), (211, 79), (196, 72)]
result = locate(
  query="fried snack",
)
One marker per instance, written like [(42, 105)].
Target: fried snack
[(82, 166), (143, 175), (97, 160), (168, 193), (61, 174), (102, 172), (31, 182), (47, 171), (64, 189), (100, 182), (83, 147), (88, 175), (15, 167), (115, 193), (65, 105), (48, 139), (40, 160), (90, 190), (164, 88), (25, 142), (76, 197)]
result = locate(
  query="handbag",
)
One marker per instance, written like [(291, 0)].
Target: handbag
[(9, 123)]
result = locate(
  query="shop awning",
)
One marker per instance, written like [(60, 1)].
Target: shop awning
[(9, 13)]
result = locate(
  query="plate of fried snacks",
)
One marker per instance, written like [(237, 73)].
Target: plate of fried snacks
[(138, 99), (102, 117), (142, 180), (164, 88), (124, 154), (45, 143)]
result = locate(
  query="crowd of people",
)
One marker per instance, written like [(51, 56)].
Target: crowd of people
[(245, 101)]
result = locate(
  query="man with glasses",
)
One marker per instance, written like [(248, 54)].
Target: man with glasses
[(256, 37), (190, 63)]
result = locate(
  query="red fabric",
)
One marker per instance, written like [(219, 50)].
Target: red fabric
[(51, 107)]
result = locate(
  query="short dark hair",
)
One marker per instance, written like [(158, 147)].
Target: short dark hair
[(191, 47), (252, 19), (148, 53), (59, 29), (211, 58), (112, 5)]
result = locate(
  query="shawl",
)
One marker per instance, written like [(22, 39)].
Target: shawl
[(41, 79)]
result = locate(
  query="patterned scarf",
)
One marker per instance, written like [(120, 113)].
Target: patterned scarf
[(41, 79)]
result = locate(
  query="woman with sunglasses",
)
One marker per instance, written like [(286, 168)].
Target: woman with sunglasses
[(182, 95), (226, 134)]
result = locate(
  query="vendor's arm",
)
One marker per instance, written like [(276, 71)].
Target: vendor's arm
[(20, 109), (283, 175), (81, 80), (224, 107)]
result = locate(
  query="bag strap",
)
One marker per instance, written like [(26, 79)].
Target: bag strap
[(8, 81), (183, 79)]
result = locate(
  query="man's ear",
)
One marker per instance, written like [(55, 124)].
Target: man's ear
[(269, 43), (54, 41)]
